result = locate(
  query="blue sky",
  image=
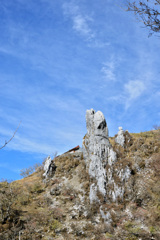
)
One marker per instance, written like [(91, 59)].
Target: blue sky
[(60, 58)]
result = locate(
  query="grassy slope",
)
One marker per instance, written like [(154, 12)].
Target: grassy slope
[(60, 209)]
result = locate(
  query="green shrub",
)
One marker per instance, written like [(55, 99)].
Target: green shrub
[(55, 226)]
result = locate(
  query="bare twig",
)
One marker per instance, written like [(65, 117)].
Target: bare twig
[(6, 142), (147, 12)]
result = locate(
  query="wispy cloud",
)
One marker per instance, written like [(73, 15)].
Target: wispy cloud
[(28, 145), (80, 25), (134, 89), (45, 117), (131, 91), (81, 21), (108, 71)]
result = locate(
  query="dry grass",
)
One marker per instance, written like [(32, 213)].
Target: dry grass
[(69, 215)]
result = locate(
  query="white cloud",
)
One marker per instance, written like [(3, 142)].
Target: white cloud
[(108, 71), (130, 92), (134, 89), (81, 26), (27, 145), (42, 113), (80, 21)]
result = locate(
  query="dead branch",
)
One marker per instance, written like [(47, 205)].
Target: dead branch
[(147, 12), (6, 142)]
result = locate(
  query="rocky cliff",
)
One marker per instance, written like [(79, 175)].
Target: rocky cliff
[(108, 190), (101, 160)]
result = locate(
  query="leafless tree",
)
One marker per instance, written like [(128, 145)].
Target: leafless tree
[(148, 12), (156, 127)]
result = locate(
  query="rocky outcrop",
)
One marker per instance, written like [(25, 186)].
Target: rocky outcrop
[(49, 168), (123, 138), (107, 178), (96, 140), (120, 139), (109, 193), (97, 152)]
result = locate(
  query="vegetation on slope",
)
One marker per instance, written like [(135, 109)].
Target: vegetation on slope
[(59, 208)]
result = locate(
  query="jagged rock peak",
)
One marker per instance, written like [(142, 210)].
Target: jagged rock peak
[(96, 123), (97, 151), (96, 140)]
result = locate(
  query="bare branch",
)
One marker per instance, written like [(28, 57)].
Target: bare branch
[(6, 142), (148, 12)]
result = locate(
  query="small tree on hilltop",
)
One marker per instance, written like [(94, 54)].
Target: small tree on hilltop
[(156, 127)]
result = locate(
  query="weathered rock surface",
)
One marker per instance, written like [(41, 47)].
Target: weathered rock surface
[(100, 159), (120, 139), (97, 151), (123, 138), (49, 168)]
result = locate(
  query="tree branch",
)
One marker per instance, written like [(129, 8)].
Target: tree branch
[(148, 11), (6, 142)]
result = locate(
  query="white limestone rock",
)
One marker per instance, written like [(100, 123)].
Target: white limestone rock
[(120, 139), (49, 168), (46, 165), (93, 193), (106, 177), (97, 150), (111, 156), (96, 140)]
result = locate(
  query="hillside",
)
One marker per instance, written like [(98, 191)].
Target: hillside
[(71, 201)]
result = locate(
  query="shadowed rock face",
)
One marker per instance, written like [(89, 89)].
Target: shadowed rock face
[(46, 166), (49, 168)]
